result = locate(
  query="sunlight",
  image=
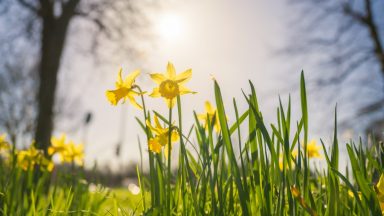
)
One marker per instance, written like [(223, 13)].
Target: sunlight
[(170, 27)]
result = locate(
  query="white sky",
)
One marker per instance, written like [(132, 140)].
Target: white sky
[(232, 40)]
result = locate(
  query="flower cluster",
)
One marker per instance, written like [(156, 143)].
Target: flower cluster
[(313, 151), (68, 152), (170, 86), (28, 159), (161, 138), (4, 145)]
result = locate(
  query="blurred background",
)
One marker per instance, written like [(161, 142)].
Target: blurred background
[(58, 57)]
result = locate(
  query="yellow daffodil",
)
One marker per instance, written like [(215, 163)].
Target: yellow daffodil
[(297, 195), (295, 192), (350, 194), (380, 192), (68, 152), (27, 159), (4, 145), (74, 153), (211, 114), (161, 137), (46, 164), (281, 161), (58, 145), (281, 164), (313, 149), (154, 145), (170, 84), (124, 89)]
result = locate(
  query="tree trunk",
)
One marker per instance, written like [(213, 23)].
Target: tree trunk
[(53, 38), (375, 35)]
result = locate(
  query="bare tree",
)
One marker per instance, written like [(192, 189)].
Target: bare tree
[(17, 98), (347, 39), (46, 24)]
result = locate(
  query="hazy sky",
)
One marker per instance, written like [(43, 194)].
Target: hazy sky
[(233, 41)]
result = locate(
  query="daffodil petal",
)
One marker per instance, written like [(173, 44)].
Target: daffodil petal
[(157, 78), (184, 90), (155, 130), (171, 72), (208, 107), (174, 136), (134, 102), (119, 81), (51, 150), (155, 93), (50, 166), (202, 117), (130, 79), (184, 77), (157, 122), (380, 184)]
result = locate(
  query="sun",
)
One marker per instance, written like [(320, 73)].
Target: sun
[(170, 27)]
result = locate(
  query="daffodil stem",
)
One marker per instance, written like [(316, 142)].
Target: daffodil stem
[(151, 171), (169, 160)]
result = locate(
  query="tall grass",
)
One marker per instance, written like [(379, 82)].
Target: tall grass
[(272, 174), (240, 167), (26, 192)]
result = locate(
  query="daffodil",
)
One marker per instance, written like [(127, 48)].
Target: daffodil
[(297, 195), (27, 159), (4, 145), (74, 154), (295, 192), (170, 84), (281, 160), (161, 138), (352, 195), (124, 89), (46, 164), (58, 145), (154, 145), (211, 114), (313, 149), (380, 192), (68, 151)]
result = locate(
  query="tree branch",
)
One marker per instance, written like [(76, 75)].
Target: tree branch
[(94, 20), (373, 30), (348, 71), (29, 6)]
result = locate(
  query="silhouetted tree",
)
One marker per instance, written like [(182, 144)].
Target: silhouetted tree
[(347, 39), (46, 25)]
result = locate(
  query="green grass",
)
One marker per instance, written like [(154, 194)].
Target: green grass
[(214, 179), (249, 167)]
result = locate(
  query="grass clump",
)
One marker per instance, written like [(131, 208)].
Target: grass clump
[(239, 167), (271, 174)]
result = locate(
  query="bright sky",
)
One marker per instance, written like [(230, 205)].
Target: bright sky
[(232, 41)]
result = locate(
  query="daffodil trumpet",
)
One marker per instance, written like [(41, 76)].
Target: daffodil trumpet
[(171, 85)]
